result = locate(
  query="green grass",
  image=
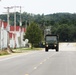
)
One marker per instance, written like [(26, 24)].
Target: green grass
[(26, 49), (33, 49)]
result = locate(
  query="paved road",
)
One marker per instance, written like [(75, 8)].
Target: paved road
[(41, 62)]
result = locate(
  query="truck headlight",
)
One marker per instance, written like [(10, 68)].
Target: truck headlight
[(54, 45), (46, 45)]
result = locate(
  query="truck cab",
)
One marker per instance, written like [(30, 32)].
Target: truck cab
[(51, 42)]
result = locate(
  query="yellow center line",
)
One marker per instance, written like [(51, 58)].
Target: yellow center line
[(35, 67), (42, 62), (26, 74)]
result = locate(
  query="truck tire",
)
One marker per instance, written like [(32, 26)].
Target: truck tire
[(46, 49), (57, 49)]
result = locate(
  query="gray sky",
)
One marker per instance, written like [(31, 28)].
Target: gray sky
[(40, 6)]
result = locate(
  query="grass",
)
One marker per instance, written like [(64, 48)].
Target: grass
[(33, 49), (26, 49), (3, 52), (18, 50)]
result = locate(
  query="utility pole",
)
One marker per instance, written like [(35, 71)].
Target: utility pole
[(26, 24), (8, 25), (15, 15), (0, 33), (20, 27), (15, 22), (20, 17)]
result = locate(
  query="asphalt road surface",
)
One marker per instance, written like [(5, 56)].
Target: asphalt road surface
[(41, 62)]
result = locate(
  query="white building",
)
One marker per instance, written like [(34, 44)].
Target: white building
[(15, 36)]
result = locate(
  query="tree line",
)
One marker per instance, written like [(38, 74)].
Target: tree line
[(63, 24)]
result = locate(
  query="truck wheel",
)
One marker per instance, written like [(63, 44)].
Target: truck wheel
[(57, 49), (46, 49)]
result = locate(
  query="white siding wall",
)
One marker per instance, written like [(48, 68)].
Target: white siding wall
[(12, 43), (3, 38), (19, 39)]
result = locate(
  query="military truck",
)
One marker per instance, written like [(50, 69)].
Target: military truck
[(51, 42)]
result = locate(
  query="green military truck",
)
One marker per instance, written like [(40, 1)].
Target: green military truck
[(51, 42)]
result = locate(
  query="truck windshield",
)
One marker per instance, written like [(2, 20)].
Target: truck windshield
[(51, 39)]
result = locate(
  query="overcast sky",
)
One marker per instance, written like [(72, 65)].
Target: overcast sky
[(40, 6)]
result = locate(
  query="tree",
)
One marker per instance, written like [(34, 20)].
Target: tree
[(33, 34), (66, 32)]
